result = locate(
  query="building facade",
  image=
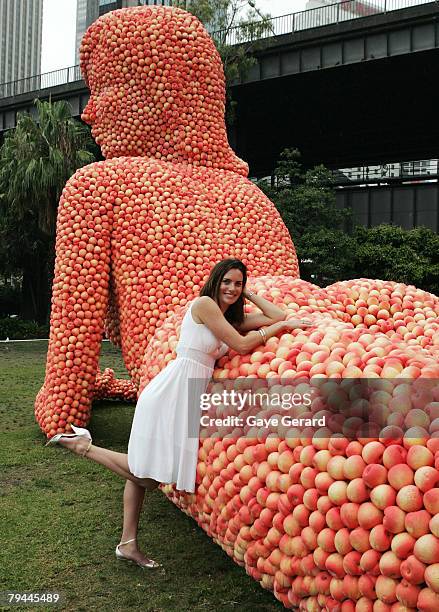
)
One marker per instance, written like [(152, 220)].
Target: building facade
[(21, 23)]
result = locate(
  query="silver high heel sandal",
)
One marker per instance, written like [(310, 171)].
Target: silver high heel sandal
[(80, 432), (151, 564)]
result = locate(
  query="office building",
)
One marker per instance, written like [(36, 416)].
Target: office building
[(21, 24)]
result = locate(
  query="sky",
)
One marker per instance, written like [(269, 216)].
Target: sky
[(59, 28)]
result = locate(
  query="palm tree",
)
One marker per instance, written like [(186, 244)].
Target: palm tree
[(36, 160)]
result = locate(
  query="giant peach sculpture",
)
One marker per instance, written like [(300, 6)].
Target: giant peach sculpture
[(341, 517)]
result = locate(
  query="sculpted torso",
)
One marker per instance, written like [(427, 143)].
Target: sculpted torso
[(138, 233)]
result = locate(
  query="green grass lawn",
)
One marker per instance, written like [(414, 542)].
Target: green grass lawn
[(61, 516)]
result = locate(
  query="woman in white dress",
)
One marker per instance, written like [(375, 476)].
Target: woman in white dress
[(162, 447)]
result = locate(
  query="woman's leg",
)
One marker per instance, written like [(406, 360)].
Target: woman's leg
[(116, 462), (132, 505)]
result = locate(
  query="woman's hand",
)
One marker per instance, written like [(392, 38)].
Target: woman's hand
[(296, 323)]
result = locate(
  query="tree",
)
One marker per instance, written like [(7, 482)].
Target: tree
[(307, 203), (237, 27), (36, 159)]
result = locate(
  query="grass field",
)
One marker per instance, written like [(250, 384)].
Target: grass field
[(61, 516)]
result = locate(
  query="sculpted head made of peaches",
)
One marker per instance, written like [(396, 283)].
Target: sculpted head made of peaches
[(157, 88)]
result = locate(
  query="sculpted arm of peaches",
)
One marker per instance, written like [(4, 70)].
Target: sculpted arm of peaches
[(271, 319)]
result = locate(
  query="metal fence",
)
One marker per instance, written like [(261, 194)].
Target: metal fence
[(41, 81), (286, 24), (313, 18)]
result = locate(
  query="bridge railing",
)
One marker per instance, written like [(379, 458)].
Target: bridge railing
[(423, 169), (313, 18), (286, 24)]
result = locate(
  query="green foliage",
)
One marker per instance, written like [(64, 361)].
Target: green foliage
[(306, 201), (406, 256), (36, 160), (17, 329)]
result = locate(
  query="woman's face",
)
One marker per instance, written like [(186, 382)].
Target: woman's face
[(231, 287)]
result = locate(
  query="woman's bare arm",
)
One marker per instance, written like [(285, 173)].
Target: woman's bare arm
[(209, 313), (270, 313)]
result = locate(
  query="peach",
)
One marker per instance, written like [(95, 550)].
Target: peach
[(291, 526), (382, 496), (417, 523), (431, 577), (413, 570), (372, 452), (301, 514), (427, 549), (334, 565), (380, 538), (325, 540), (394, 519), (366, 584), (351, 563), (400, 475), (428, 601), (409, 498), (354, 448), (341, 541), (407, 594), (356, 491), (359, 539), (349, 514), (310, 498), (434, 525), (390, 565), (317, 521), (350, 585), (324, 504), (385, 588), (431, 501), (335, 467), (426, 478), (353, 467), (333, 518), (375, 474), (320, 556), (323, 481), (337, 492), (419, 456), (402, 545), (393, 455), (370, 560), (369, 516)]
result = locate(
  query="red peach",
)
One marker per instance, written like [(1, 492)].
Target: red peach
[(341, 541), (309, 536), (353, 467), (393, 455), (356, 491), (428, 601), (335, 467), (417, 523), (385, 588), (295, 493), (380, 606), (419, 456), (351, 563), (394, 519), (317, 521), (407, 594), (379, 538), (366, 584), (350, 585), (409, 498), (291, 525), (301, 514), (390, 565), (402, 545), (320, 556), (354, 448), (382, 496), (372, 452), (427, 549), (333, 518), (324, 504), (426, 478), (359, 539), (370, 560), (413, 570), (434, 525), (323, 481), (369, 515), (400, 475), (334, 565), (349, 514), (310, 498), (431, 501), (325, 540), (364, 604), (374, 474), (431, 577), (337, 492), (337, 589)]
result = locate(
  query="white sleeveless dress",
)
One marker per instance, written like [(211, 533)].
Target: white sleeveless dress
[(164, 436)]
